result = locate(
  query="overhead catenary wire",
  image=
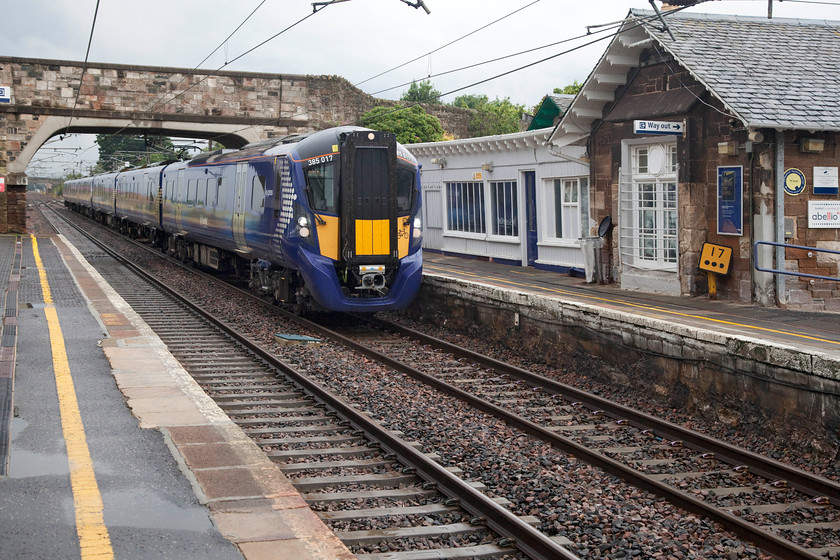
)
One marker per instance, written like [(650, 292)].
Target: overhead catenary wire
[(640, 23), (447, 44), (413, 104), (84, 67), (497, 59), (228, 63), (232, 33)]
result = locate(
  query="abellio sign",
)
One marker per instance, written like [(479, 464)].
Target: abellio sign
[(824, 214)]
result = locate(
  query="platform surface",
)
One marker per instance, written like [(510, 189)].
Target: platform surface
[(804, 329), (109, 449)]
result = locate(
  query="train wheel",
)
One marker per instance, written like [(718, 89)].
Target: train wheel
[(301, 305)]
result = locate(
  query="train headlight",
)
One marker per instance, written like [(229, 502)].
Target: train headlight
[(303, 226), (418, 227)]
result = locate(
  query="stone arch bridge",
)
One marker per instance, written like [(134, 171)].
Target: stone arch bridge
[(233, 108)]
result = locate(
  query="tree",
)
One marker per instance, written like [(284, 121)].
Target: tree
[(469, 101), (422, 92), (411, 124), (571, 89), (491, 117), (115, 150)]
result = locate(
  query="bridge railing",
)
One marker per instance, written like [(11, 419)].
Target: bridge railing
[(789, 272)]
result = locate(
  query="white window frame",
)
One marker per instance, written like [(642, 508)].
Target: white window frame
[(548, 219), (504, 214), (472, 193), (648, 197)]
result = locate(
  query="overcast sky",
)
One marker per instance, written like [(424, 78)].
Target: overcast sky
[(355, 39)]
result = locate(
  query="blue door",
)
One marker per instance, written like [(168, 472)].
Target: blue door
[(531, 215)]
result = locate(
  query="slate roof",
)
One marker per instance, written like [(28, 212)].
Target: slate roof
[(769, 73), (554, 104), (775, 73)]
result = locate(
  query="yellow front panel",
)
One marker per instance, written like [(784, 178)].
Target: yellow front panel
[(403, 231), (364, 241), (372, 237), (381, 237), (328, 236)]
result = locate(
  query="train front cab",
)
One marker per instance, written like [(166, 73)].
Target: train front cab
[(370, 258)]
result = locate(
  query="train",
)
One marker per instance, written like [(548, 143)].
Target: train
[(324, 221)]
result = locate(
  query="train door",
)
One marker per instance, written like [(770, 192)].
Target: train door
[(240, 199), (180, 197), (369, 206)]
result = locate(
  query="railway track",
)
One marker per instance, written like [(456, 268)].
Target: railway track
[(787, 512), (383, 497)]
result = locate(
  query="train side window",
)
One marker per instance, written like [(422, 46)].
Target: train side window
[(320, 185), (191, 192), (221, 193), (257, 194), (200, 192), (212, 192), (405, 189)]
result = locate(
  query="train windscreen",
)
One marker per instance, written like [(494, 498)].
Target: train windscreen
[(321, 187)]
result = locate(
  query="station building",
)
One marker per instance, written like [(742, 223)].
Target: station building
[(715, 132), (512, 198)]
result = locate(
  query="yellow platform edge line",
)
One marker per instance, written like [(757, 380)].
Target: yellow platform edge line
[(94, 540)]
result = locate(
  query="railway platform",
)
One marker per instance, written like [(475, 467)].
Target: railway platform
[(108, 449), (806, 330), (729, 359)]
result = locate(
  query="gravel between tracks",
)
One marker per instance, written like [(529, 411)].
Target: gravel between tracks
[(604, 517)]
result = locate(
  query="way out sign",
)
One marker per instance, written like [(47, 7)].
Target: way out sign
[(658, 127)]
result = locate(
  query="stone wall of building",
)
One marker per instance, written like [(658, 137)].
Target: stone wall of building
[(708, 123)]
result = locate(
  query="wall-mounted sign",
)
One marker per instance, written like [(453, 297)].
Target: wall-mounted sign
[(477, 176), (5, 94), (658, 127), (794, 181), (824, 214), (2, 184), (825, 180), (730, 197)]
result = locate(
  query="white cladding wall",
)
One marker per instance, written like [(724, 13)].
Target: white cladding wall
[(510, 162)]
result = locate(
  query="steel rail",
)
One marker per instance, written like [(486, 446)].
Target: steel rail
[(769, 542), (518, 532), (808, 483)]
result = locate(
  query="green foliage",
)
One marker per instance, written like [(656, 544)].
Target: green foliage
[(491, 117), (117, 149), (469, 101), (571, 89), (423, 92), (410, 124)]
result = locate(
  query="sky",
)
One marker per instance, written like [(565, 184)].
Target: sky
[(378, 45)]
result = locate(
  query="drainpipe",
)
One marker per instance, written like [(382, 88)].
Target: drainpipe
[(780, 215)]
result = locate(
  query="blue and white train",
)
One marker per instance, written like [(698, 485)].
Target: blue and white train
[(329, 220)]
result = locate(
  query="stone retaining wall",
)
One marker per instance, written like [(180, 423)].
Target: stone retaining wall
[(735, 378)]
